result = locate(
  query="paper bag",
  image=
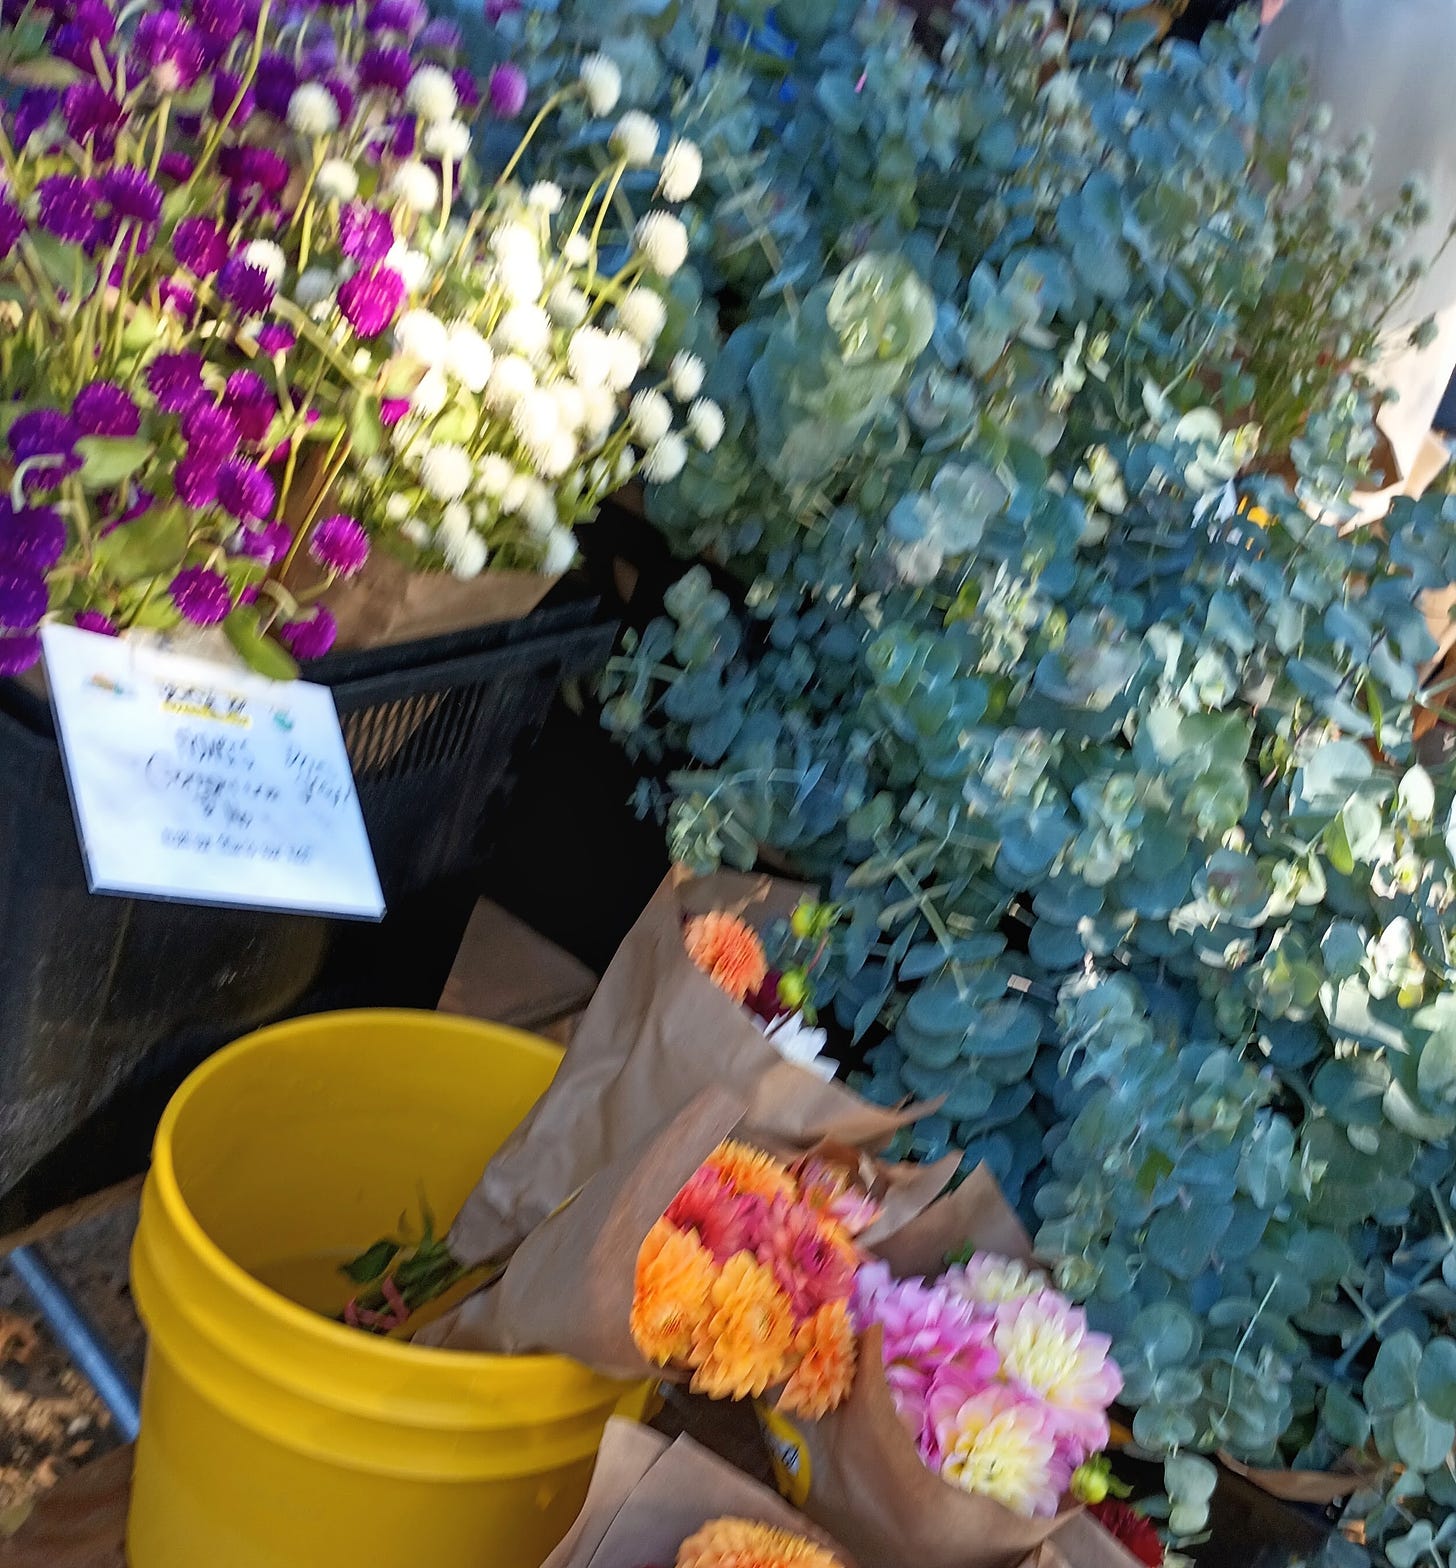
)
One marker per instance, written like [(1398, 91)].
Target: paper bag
[(648, 1495), (657, 1033)]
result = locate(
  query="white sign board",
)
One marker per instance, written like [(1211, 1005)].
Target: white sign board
[(197, 782)]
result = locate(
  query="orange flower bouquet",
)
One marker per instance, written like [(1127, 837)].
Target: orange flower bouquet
[(746, 1281), (660, 1504)]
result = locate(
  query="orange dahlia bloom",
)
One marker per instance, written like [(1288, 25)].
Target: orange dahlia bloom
[(728, 951), (751, 1173), (745, 1341), (739, 1543), (822, 1380), (670, 1302)]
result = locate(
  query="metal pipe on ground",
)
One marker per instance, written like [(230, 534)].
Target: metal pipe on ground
[(95, 1359)]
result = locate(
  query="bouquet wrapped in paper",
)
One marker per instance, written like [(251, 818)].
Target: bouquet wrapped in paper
[(654, 1503), (979, 1392)]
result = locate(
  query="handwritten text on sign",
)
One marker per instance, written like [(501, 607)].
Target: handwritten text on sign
[(198, 782)]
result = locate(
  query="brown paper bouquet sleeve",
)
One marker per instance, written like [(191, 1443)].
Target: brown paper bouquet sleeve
[(656, 1034)]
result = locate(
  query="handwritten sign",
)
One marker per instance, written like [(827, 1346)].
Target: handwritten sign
[(196, 782)]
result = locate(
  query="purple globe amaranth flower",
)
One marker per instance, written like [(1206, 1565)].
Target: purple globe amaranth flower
[(67, 207), (170, 49), (231, 97), (19, 653), (441, 35), (276, 339), (245, 491), (370, 299), (311, 638), (133, 194), (211, 432), (34, 110), (142, 501), (394, 16), (389, 69), (12, 226), (102, 408), (392, 410), (467, 88), (175, 380), (496, 9), (508, 90), (177, 297), (343, 96), (268, 543), (44, 432), (249, 401), (247, 168), (195, 481), (24, 600), (201, 595), (92, 115), (247, 288), (339, 545), (177, 165), (200, 246), (366, 235), (218, 23), (32, 539), (275, 84), (95, 621)]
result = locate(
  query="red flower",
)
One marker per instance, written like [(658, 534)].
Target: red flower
[(1128, 1526)]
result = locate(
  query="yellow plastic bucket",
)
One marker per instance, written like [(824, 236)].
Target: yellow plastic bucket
[(273, 1437)]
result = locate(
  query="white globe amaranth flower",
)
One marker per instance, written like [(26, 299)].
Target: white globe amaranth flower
[(432, 94), (589, 357), (412, 265), (468, 357), (466, 557), (663, 241), (560, 552), (642, 313), (569, 307), (314, 286), (535, 420), (517, 254), (337, 180), (576, 252), (602, 82), (665, 461), (626, 360), (511, 378), (626, 464), (686, 376), (416, 531), (514, 240), (415, 185), (599, 411), (545, 196), (362, 362), (448, 140), (524, 329), (431, 394), (312, 110), (682, 168), (493, 475), (268, 258), (570, 405), (396, 508), (526, 497), (454, 524), (705, 423), (651, 417), (445, 471), (634, 139), (556, 457), (422, 336)]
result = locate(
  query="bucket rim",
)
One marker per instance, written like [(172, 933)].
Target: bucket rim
[(424, 1362)]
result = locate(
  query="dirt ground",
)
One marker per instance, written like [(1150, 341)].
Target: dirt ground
[(51, 1422)]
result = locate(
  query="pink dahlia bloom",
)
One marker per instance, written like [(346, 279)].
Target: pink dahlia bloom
[(810, 1268), (1047, 1349), (727, 1222), (1001, 1444)]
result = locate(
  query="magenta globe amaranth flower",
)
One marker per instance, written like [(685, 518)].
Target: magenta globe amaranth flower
[(366, 235), (246, 287), (507, 91), (95, 621), (370, 299), (102, 408), (202, 596), (24, 599), (19, 652), (339, 545), (269, 543), (211, 432), (169, 49), (66, 207), (249, 401), (311, 637), (175, 380), (194, 481), (245, 491)]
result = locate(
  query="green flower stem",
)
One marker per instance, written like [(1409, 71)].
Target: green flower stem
[(543, 114)]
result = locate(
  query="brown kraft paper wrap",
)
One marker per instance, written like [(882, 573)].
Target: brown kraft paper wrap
[(648, 1495), (857, 1469), (656, 1034)]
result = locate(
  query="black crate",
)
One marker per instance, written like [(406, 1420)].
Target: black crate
[(97, 991)]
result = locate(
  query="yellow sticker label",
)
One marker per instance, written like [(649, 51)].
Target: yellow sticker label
[(789, 1455)]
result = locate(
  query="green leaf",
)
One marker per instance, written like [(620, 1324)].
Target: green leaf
[(1421, 1439), (373, 1264), (1437, 1379), (1391, 1384), (152, 545), (366, 430), (261, 653), (1344, 1418), (107, 460)]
